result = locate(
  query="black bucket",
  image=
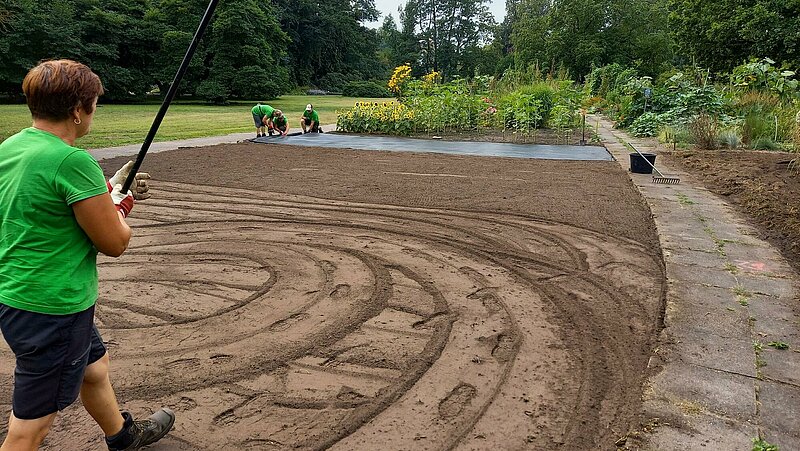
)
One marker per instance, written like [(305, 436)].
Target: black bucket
[(639, 165)]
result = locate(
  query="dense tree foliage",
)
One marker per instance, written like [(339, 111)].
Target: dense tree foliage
[(449, 33), (581, 34), (328, 37), (252, 49), (263, 48), (722, 34)]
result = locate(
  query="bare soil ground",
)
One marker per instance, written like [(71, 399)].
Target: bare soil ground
[(759, 184), (304, 298)]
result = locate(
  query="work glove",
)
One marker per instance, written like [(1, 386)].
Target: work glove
[(140, 186), (123, 201)]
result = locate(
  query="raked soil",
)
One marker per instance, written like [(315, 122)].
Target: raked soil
[(308, 298)]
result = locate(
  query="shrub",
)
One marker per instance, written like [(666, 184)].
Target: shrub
[(797, 132), (213, 92), (563, 117), (646, 125), (542, 92), (521, 111), (756, 125), (364, 89), (704, 131), (729, 139), (336, 81), (765, 143), (675, 134)]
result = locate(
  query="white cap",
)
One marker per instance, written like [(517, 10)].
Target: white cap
[(309, 107)]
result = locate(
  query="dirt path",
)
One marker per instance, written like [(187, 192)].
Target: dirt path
[(439, 302)]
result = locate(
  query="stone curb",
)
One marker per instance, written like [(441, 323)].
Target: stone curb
[(133, 149)]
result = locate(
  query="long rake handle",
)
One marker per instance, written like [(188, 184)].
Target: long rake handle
[(648, 161), (173, 89)]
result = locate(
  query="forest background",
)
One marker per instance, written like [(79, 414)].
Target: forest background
[(260, 49)]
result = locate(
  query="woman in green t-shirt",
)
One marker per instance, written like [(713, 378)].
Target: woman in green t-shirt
[(56, 212)]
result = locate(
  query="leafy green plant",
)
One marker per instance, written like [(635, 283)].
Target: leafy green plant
[(364, 89), (759, 444), (762, 74), (778, 345), (646, 125), (765, 143)]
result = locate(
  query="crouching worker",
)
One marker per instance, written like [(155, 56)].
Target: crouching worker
[(310, 120), (56, 212), (262, 117), (279, 123)]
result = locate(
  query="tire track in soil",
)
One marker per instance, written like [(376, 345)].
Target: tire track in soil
[(276, 322)]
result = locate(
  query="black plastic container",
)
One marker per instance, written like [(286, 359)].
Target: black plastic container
[(639, 165)]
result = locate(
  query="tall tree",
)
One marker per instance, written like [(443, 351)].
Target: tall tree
[(396, 47), (329, 37), (580, 34), (450, 33), (246, 48), (34, 31), (119, 44), (722, 34)]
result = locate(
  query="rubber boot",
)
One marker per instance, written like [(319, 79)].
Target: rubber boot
[(138, 434)]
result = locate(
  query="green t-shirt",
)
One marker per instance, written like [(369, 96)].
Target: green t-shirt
[(47, 262), (311, 115), (279, 121), (263, 110)]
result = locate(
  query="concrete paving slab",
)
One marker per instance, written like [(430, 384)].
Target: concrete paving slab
[(774, 319), (730, 355), (717, 266), (780, 415), (768, 286), (782, 365), (702, 432), (695, 390), (488, 149), (707, 258), (716, 277), (722, 316)]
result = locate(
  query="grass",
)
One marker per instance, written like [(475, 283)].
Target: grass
[(683, 199), (759, 444), (778, 345), (116, 125)]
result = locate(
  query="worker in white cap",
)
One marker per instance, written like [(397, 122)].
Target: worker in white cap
[(310, 120)]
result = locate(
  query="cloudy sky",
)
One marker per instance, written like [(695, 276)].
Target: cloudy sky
[(386, 7)]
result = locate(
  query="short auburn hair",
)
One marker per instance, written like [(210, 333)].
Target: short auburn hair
[(55, 88)]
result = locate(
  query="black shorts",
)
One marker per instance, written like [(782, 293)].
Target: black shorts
[(52, 353), (308, 122)]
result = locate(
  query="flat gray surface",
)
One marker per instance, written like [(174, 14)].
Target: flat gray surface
[(718, 385), (486, 149)]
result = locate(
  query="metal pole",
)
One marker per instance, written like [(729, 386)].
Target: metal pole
[(212, 5), (583, 128)]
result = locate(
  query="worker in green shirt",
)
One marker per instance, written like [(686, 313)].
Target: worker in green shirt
[(279, 123), (57, 211), (310, 120), (262, 117)]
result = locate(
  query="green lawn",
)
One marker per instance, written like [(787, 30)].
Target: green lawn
[(116, 125)]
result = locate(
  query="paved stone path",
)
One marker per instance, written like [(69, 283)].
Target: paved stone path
[(718, 384)]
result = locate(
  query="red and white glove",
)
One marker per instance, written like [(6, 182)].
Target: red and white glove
[(140, 185), (123, 201)]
